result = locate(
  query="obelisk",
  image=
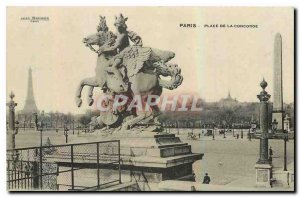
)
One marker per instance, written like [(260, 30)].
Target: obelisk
[(277, 81)]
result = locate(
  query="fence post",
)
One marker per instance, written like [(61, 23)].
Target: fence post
[(22, 174), (41, 167), (119, 153), (35, 171), (98, 170), (19, 177), (72, 167)]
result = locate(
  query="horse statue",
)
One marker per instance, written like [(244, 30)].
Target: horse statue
[(141, 68)]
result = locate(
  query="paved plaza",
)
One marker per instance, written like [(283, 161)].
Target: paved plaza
[(228, 161)]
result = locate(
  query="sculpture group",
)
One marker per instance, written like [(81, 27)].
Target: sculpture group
[(127, 69)]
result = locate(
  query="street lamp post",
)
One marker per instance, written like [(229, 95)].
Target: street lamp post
[(73, 125), (39, 127), (66, 133), (192, 125), (249, 135), (264, 98), (177, 127), (213, 130), (12, 125), (24, 124), (78, 127), (30, 118), (35, 121), (285, 156), (242, 133), (41, 133), (56, 121), (263, 165), (85, 127), (16, 126)]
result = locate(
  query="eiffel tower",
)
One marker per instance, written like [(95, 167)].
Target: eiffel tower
[(30, 106)]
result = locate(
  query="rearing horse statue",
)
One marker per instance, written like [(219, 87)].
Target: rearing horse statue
[(141, 69)]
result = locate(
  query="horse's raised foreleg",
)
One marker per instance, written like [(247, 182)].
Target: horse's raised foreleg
[(90, 96), (87, 81)]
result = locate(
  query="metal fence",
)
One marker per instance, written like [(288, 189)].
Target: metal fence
[(54, 167)]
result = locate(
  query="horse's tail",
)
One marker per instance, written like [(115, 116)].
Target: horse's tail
[(171, 70)]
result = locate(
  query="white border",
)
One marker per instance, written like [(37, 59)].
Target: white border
[(3, 99), (152, 3)]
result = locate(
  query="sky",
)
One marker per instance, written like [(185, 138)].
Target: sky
[(213, 60)]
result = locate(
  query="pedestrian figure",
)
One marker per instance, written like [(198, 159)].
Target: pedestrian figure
[(206, 179), (237, 136), (270, 153), (199, 135), (194, 176), (66, 135)]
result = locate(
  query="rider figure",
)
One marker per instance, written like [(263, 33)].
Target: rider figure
[(121, 42)]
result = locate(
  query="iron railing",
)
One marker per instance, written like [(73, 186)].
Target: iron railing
[(39, 168)]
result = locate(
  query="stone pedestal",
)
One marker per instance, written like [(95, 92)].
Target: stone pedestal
[(155, 157), (263, 175)]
